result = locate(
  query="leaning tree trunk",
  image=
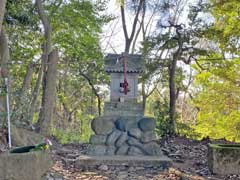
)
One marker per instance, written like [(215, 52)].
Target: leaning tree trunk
[(35, 93), (172, 87), (49, 95), (2, 11), (23, 103), (4, 58), (172, 96), (94, 90), (46, 110), (23, 99), (27, 79)]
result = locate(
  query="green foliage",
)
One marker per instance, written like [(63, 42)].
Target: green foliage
[(3, 88), (226, 28), (158, 107), (76, 27), (21, 24), (66, 136), (216, 83), (218, 101), (162, 117), (75, 132), (188, 131), (71, 136)]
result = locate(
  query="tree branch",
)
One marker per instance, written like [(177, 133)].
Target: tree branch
[(141, 27), (124, 23), (94, 91), (128, 40), (136, 19)]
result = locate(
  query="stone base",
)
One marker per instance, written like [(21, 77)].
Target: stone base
[(130, 161), (24, 166), (124, 135)]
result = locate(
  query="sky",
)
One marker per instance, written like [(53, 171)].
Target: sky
[(112, 38)]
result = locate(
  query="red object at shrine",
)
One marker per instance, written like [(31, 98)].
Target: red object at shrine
[(125, 83)]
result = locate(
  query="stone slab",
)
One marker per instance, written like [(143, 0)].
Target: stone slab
[(224, 159), (85, 161)]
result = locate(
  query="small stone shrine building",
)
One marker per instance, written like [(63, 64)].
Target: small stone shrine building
[(123, 129), (114, 64), (121, 103)]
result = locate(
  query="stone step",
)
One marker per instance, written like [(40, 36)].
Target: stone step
[(120, 109), (126, 105), (122, 113), (86, 161)]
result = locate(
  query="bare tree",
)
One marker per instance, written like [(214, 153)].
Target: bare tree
[(129, 39), (144, 29)]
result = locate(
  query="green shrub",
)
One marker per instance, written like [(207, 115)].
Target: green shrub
[(161, 113), (70, 136), (187, 131)]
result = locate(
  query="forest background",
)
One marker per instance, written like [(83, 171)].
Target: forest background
[(52, 53)]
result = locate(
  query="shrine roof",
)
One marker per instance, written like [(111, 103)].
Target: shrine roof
[(114, 63)]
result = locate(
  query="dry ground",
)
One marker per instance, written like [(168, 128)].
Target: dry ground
[(189, 163)]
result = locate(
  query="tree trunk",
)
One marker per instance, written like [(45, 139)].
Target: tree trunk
[(4, 58), (127, 46), (2, 11), (26, 83), (172, 87), (35, 93), (144, 100), (27, 79), (47, 45), (4, 54), (172, 96), (47, 29), (22, 100), (49, 95)]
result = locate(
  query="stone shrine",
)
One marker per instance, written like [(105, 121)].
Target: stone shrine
[(123, 129)]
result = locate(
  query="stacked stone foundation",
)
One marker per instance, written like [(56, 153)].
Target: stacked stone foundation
[(124, 135)]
